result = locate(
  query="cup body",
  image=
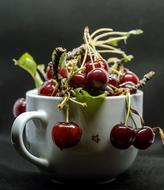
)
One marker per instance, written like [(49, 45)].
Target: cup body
[(94, 157)]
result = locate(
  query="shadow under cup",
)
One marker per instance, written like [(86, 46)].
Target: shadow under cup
[(94, 158)]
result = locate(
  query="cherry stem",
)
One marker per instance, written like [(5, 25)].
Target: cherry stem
[(101, 30), (67, 112), (130, 113), (160, 131), (85, 56), (86, 31), (62, 104), (128, 100), (79, 103), (110, 40), (132, 118), (93, 47), (141, 118), (124, 35), (115, 71)]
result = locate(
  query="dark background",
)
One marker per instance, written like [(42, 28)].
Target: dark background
[(38, 26)]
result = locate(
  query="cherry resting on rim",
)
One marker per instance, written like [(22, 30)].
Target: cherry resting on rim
[(97, 64), (129, 77), (49, 88), (66, 134), (122, 136), (19, 107), (130, 86), (97, 78), (78, 80), (144, 138)]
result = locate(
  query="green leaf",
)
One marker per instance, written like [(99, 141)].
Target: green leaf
[(41, 68), (93, 102), (62, 60), (127, 58), (82, 94), (37, 80), (27, 63)]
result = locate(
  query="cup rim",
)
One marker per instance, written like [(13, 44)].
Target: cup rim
[(33, 94)]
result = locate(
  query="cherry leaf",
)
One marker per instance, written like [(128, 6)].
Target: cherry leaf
[(27, 63)]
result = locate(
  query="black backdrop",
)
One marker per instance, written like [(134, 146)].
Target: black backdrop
[(38, 26)]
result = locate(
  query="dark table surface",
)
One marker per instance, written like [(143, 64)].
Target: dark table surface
[(147, 172)]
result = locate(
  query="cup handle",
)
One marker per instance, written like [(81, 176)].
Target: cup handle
[(17, 132)]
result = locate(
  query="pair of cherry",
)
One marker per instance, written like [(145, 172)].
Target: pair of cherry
[(122, 137), (68, 134)]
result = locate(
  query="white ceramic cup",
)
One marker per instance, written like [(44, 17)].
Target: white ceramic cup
[(90, 159)]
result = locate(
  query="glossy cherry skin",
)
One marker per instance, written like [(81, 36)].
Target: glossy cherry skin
[(129, 77), (66, 134), (19, 107), (144, 138), (97, 78), (49, 72), (122, 136), (97, 64), (49, 88), (78, 80)]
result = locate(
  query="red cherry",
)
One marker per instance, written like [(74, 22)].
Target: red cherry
[(98, 64), (49, 72), (66, 134), (49, 88), (113, 81), (78, 80), (122, 136), (144, 137), (97, 78), (19, 107), (129, 77), (62, 72)]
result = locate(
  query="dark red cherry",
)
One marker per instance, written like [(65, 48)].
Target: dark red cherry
[(49, 88), (97, 78), (129, 77), (78, 80), (97, 64), (62, 72), (66, 134), (144, 137), (49, 72), (19, 107), (122, 136), (113, 81)]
